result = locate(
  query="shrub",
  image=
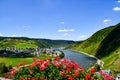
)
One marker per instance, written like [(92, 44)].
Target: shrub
[(56, 69), (62, 55), (3, 68)]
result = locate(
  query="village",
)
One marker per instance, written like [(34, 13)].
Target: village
[(19, 52)]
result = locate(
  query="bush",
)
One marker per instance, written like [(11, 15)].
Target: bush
[(62, 55), (3, 68), (56, 69)]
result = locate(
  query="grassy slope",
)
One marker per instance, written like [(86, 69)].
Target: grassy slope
[(109, 50), (18, 42), (55, 43), (104, 44), (91, 44), (74, 45)]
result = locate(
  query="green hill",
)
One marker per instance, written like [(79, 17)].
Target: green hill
[(104, 44), (91, 44), (23, 42)]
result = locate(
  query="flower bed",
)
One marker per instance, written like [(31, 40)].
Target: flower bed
[(56, 69)]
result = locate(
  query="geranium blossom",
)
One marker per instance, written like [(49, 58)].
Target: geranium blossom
[(55, 69)]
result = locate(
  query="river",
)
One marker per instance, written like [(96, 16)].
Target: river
[(81, 59)]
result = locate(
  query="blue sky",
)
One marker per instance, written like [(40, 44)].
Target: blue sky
[(57, 19)]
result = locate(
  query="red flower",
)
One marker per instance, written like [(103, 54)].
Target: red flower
[(69, 77), (63, 60), (41, 78), (87, 76), (57, 64), (12, 71), (33, 64), (108, 77), (46, 63), (34, 59), (68, 70), (21, 78), (93, 78), (28, 78), (93, 70), (57, 58), (76, 74), (102, 73), (76, 66), (42, 67), (62, 72), (69, 65), (5, 75), (33, 79), (21, 64)]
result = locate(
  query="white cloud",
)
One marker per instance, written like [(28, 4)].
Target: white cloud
[(1, 34), (26, 26), (13, 35), (106, 21), (66, 30), (82, 37), (66, 34), (118, 1), (116, 8), (62, 23)]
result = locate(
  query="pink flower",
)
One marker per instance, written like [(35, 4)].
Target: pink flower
[(12, 71), (102, 73), (81, 69), (57, 64), (30, 72), (62, 72), (64, 66), (63, 60), (46, 63), (42, 67), (76, 66)]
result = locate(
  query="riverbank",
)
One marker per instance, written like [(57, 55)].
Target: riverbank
[(99, 62)]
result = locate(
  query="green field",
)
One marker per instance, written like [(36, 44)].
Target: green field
[(15, 61)]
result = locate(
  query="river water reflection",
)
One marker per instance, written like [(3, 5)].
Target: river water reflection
[(80, 58)]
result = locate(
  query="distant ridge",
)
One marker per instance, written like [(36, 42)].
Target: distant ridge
[(25, 42)]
